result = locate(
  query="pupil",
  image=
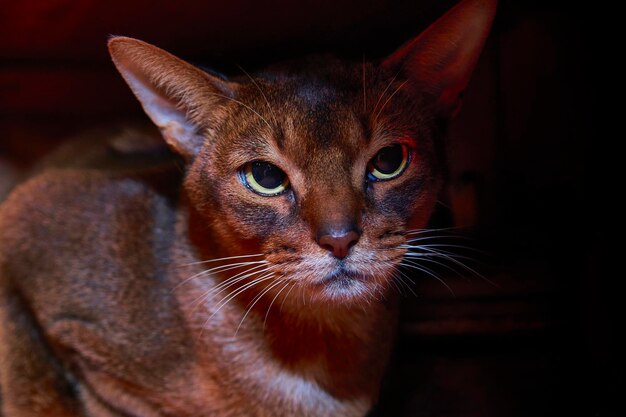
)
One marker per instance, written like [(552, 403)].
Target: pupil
[(267, 175), (388, 159)]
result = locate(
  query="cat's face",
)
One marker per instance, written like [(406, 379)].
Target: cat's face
[(315, 170), (323, 174)]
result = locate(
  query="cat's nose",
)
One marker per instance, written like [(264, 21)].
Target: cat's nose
[(339, 244)]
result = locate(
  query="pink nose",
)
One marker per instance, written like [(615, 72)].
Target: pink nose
[(339, 244)]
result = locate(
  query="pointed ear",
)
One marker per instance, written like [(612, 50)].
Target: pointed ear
[(182, 100), (441, 59)]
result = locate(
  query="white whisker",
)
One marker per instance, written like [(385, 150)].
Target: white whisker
[(287, 295), (431, 230), (390, 97), (448, 245), (262, 93), (385, 90), (237, 292), (222, 259), (453, 258), (393, 282), (427, 271), (254, 301), (274, 299), (436, 238), (229, 282), (244, 105), (220, 268), (431, 260), (401, 279), (437, 254)]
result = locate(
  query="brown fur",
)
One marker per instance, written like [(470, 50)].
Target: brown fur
[(103, 306)]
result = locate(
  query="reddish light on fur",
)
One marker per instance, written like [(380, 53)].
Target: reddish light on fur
[(442, 58)]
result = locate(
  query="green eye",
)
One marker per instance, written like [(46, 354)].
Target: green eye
[(388, 163), (264, 178)]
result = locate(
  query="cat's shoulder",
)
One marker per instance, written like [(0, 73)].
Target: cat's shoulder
[(57, 191), (76, 204), (91, 172)]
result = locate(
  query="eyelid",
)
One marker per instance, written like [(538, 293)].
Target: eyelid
[(248, 148), (385, 139), (249, 181), (373, 174)]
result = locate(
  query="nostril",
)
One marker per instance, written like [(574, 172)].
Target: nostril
[(339, 245), (327, 246), (352, 238)]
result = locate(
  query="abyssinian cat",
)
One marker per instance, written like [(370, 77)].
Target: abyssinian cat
[(259, 281)]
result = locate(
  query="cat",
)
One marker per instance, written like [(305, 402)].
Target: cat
[(252, 274)]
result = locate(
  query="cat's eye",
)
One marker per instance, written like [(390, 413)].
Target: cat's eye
[(264, 178), (388, 163)]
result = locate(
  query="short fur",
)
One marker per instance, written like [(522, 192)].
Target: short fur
[(107, 307)]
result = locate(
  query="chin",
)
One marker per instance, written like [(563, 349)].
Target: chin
[(349, 288)]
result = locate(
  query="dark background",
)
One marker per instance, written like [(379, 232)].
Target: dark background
[(527, 180)]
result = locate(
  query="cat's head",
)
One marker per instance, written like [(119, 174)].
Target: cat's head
[(320, 166)]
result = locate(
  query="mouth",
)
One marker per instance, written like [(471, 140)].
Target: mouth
[(342, 277), (343, 284)]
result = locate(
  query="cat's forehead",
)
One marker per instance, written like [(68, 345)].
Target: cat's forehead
[(314, 118), (314, 94), (320, 119)]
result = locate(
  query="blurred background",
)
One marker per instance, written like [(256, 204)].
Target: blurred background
[(527, 185)]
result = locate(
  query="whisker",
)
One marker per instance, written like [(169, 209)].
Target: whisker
[(385, 90), (436, 250), (437, 237), (262, 93), (235, 293), (401, 278), (437, 254), (229, 282), (287, 295), (393, 282), (390, 97), (228, 267), (221, 268), (303, 299), (274, 299), (429, 272), (231, 295), (449, 245), (222, 259), (431, 230), (455, 259), (430, 259), (244, 105), (254, 301)]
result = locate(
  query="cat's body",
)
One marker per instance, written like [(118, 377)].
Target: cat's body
[(112, 340), (257, 283)]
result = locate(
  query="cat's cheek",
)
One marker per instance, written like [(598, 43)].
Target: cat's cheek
[(422, 210), (255, 216), (396, 198)]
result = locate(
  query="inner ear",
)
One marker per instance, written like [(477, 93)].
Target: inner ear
[(441, 59), (182, 100)]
